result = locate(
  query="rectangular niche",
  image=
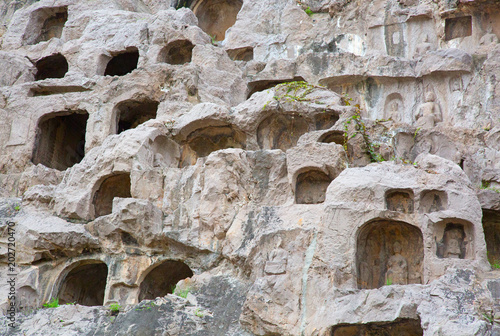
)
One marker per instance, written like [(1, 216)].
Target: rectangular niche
[(400, 327), (458, 27), (453, 239), (60, 139)]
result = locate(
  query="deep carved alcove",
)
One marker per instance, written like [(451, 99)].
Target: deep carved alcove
[(84, 285), (281, 131), (458, 27), (491, 227), (215, 17), (114, 186), (162, 279), (262, 85), (399, 200), (60, 139), (433, 200), (337, 137), (132, 113), (244, 54), (122, 63), (205, 140), (46, 23), (324, 121), (311, 187), (402, 327), (453, 239), (177, 52), (389, 252), (54, 66)]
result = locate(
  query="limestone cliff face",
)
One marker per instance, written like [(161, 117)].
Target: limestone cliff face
[(238, 167)]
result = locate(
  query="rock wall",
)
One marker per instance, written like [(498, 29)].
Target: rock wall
[(233, 167)]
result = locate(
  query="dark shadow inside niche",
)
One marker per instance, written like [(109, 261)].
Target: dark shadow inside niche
[(85, 285), (457, 27), (122, 63), (311, 187), (177, 52), (433, 200), (241, 54), (132, 113), (163, 278), (215, 17), (52, 90), (400, 327), (206, 140), (399, 200), (333, 137), (60, 139), (491, 228), (54, 66), (453, 243), (389, 253), (262, 85), (113, 186), (128, 239), (281, 131), (53, 20), (325, 120)]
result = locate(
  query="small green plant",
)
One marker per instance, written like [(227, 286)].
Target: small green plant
[(17, 207), (213, 38), (114, 307), (309, 11), (70, 303), (486, 185), (388, 282), (147, 306), (416, 132), (360, 128), (53, 303), (198, 312), (183, 293)]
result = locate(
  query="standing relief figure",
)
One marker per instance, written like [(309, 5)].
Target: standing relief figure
[(397, 267), (429, 113)]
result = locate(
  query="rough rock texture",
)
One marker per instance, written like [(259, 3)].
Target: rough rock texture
[(250, 167)]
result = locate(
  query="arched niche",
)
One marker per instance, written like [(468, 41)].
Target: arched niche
[(122, 63), (453, 239), (394, 108), (491, 228), (161, 280), (205, 140), (400, 327), (215, 17), (457, 27), (132, 113), (46, 23), (310, 187), (60, 139), (84, 284), (389, 253), (399, 200), (117, 185), (433, 200), (54, 66), (337, 137), (325, 120), (281, 131), (177, 52)]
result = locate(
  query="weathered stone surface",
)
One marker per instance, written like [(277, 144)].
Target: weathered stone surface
[(289, 167)]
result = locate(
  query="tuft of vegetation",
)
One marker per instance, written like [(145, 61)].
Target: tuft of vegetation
[(115, 307), (295, 91), (17, 207), (309, 11), (53, 303), (388, 282), (198, 312), (486, 185), (360, 128)]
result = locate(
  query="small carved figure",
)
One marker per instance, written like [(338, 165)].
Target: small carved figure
[(453, 239), (424, 47), (397, 267), (277, 260), (488, 38), (429, 113)]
